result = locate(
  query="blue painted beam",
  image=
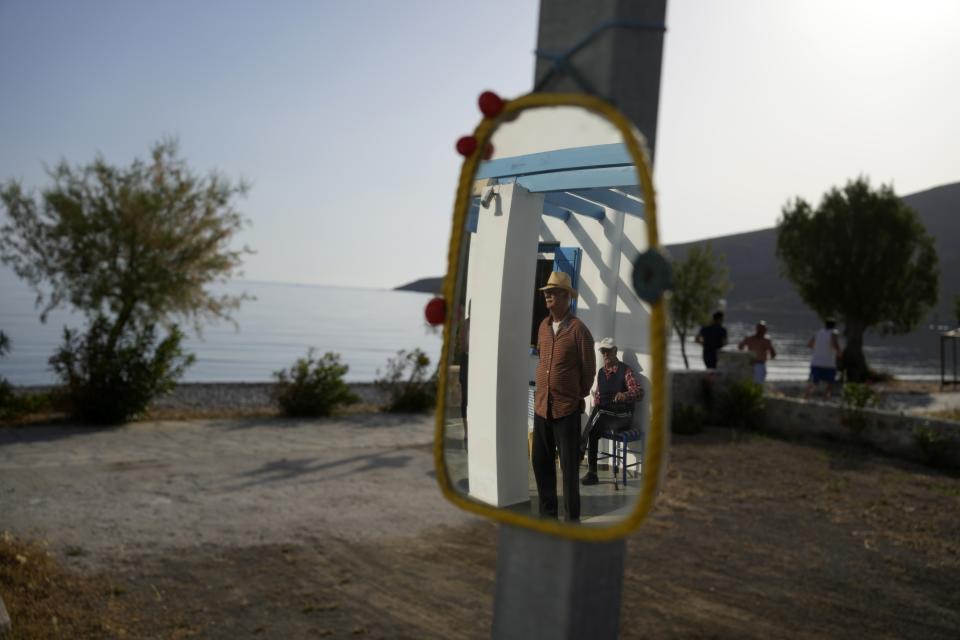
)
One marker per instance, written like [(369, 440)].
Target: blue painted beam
[(613, 200), (602, 155), (579, 179), (473, 215), (575, 205), (555, 211)]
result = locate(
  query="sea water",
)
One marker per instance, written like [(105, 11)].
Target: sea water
[(366, 327)]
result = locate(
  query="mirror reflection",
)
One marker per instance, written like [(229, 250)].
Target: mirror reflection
[(548, 400)]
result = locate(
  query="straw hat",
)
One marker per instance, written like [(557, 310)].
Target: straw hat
[(560, 280)]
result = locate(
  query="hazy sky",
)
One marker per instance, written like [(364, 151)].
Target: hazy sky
[(343, 115)]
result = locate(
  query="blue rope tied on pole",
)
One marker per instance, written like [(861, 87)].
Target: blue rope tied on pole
[(562, 65)]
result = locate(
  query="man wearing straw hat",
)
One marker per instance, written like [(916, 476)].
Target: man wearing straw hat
[(564, 377)]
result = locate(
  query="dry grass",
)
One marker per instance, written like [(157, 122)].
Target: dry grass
[(946, 414), (45, 600)]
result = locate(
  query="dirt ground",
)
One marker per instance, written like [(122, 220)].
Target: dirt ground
[(335, 528)]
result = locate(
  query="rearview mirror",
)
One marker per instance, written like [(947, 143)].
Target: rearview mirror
[(546, 231)]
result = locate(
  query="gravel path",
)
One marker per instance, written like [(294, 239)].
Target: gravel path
[(101, 495), (335, 528)]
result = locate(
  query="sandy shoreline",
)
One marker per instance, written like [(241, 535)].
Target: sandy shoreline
[(228, 395), (907, 397)]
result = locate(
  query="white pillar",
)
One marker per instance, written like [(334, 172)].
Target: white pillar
[(609, 285), (503, 260)]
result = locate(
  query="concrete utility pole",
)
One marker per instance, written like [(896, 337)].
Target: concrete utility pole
[(549, 587), (621, 64)]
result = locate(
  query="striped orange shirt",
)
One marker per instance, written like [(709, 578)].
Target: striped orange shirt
[(566, 368)]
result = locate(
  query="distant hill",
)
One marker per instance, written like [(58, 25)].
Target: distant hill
[(760, 292), (423, 285)]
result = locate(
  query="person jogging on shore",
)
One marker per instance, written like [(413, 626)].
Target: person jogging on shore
[(713, 337), (823, 361), (760, 347)]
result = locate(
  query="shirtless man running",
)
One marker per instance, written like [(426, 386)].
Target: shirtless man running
[(759, 346)]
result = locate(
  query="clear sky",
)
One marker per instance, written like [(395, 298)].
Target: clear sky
[(343, 115)]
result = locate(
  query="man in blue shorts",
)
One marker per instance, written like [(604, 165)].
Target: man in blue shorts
[(826, 354)]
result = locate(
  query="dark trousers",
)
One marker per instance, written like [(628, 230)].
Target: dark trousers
[(602, 424), (550, 434), (710, 358)]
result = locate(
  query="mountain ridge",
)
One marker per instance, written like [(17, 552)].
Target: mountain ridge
[(760, 292)]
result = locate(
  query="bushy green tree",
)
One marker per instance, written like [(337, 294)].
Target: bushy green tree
[(131, 247), (862, 256), (313, 386), (700, 281)]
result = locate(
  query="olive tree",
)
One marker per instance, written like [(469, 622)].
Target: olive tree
[(131, 247), (699, 282), (862, 256)]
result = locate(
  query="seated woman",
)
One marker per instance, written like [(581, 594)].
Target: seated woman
[(614, 397)]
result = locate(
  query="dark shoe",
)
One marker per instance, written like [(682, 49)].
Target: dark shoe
[(590, 478)]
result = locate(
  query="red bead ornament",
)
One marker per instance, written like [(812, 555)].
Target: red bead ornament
[(488, 151), (490, 104), (436, 311), (466, 145)]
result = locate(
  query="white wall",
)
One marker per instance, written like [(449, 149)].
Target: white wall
[(606, 302), (501, 274)]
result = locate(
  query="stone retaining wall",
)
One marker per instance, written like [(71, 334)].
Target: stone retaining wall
[(913, 437)]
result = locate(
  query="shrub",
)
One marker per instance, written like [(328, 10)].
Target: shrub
[(312, 386), (7, 400), (15, 405), (740, 405), (708, 393), (878, 375), (6, 390), (688, 419), (110, 386), (855, 398), (934, 445), (409, 393), (858, 396)]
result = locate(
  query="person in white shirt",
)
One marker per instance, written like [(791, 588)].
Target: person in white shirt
[(826, 354)]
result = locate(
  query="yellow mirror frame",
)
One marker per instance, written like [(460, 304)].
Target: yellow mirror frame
[(655, 449)]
